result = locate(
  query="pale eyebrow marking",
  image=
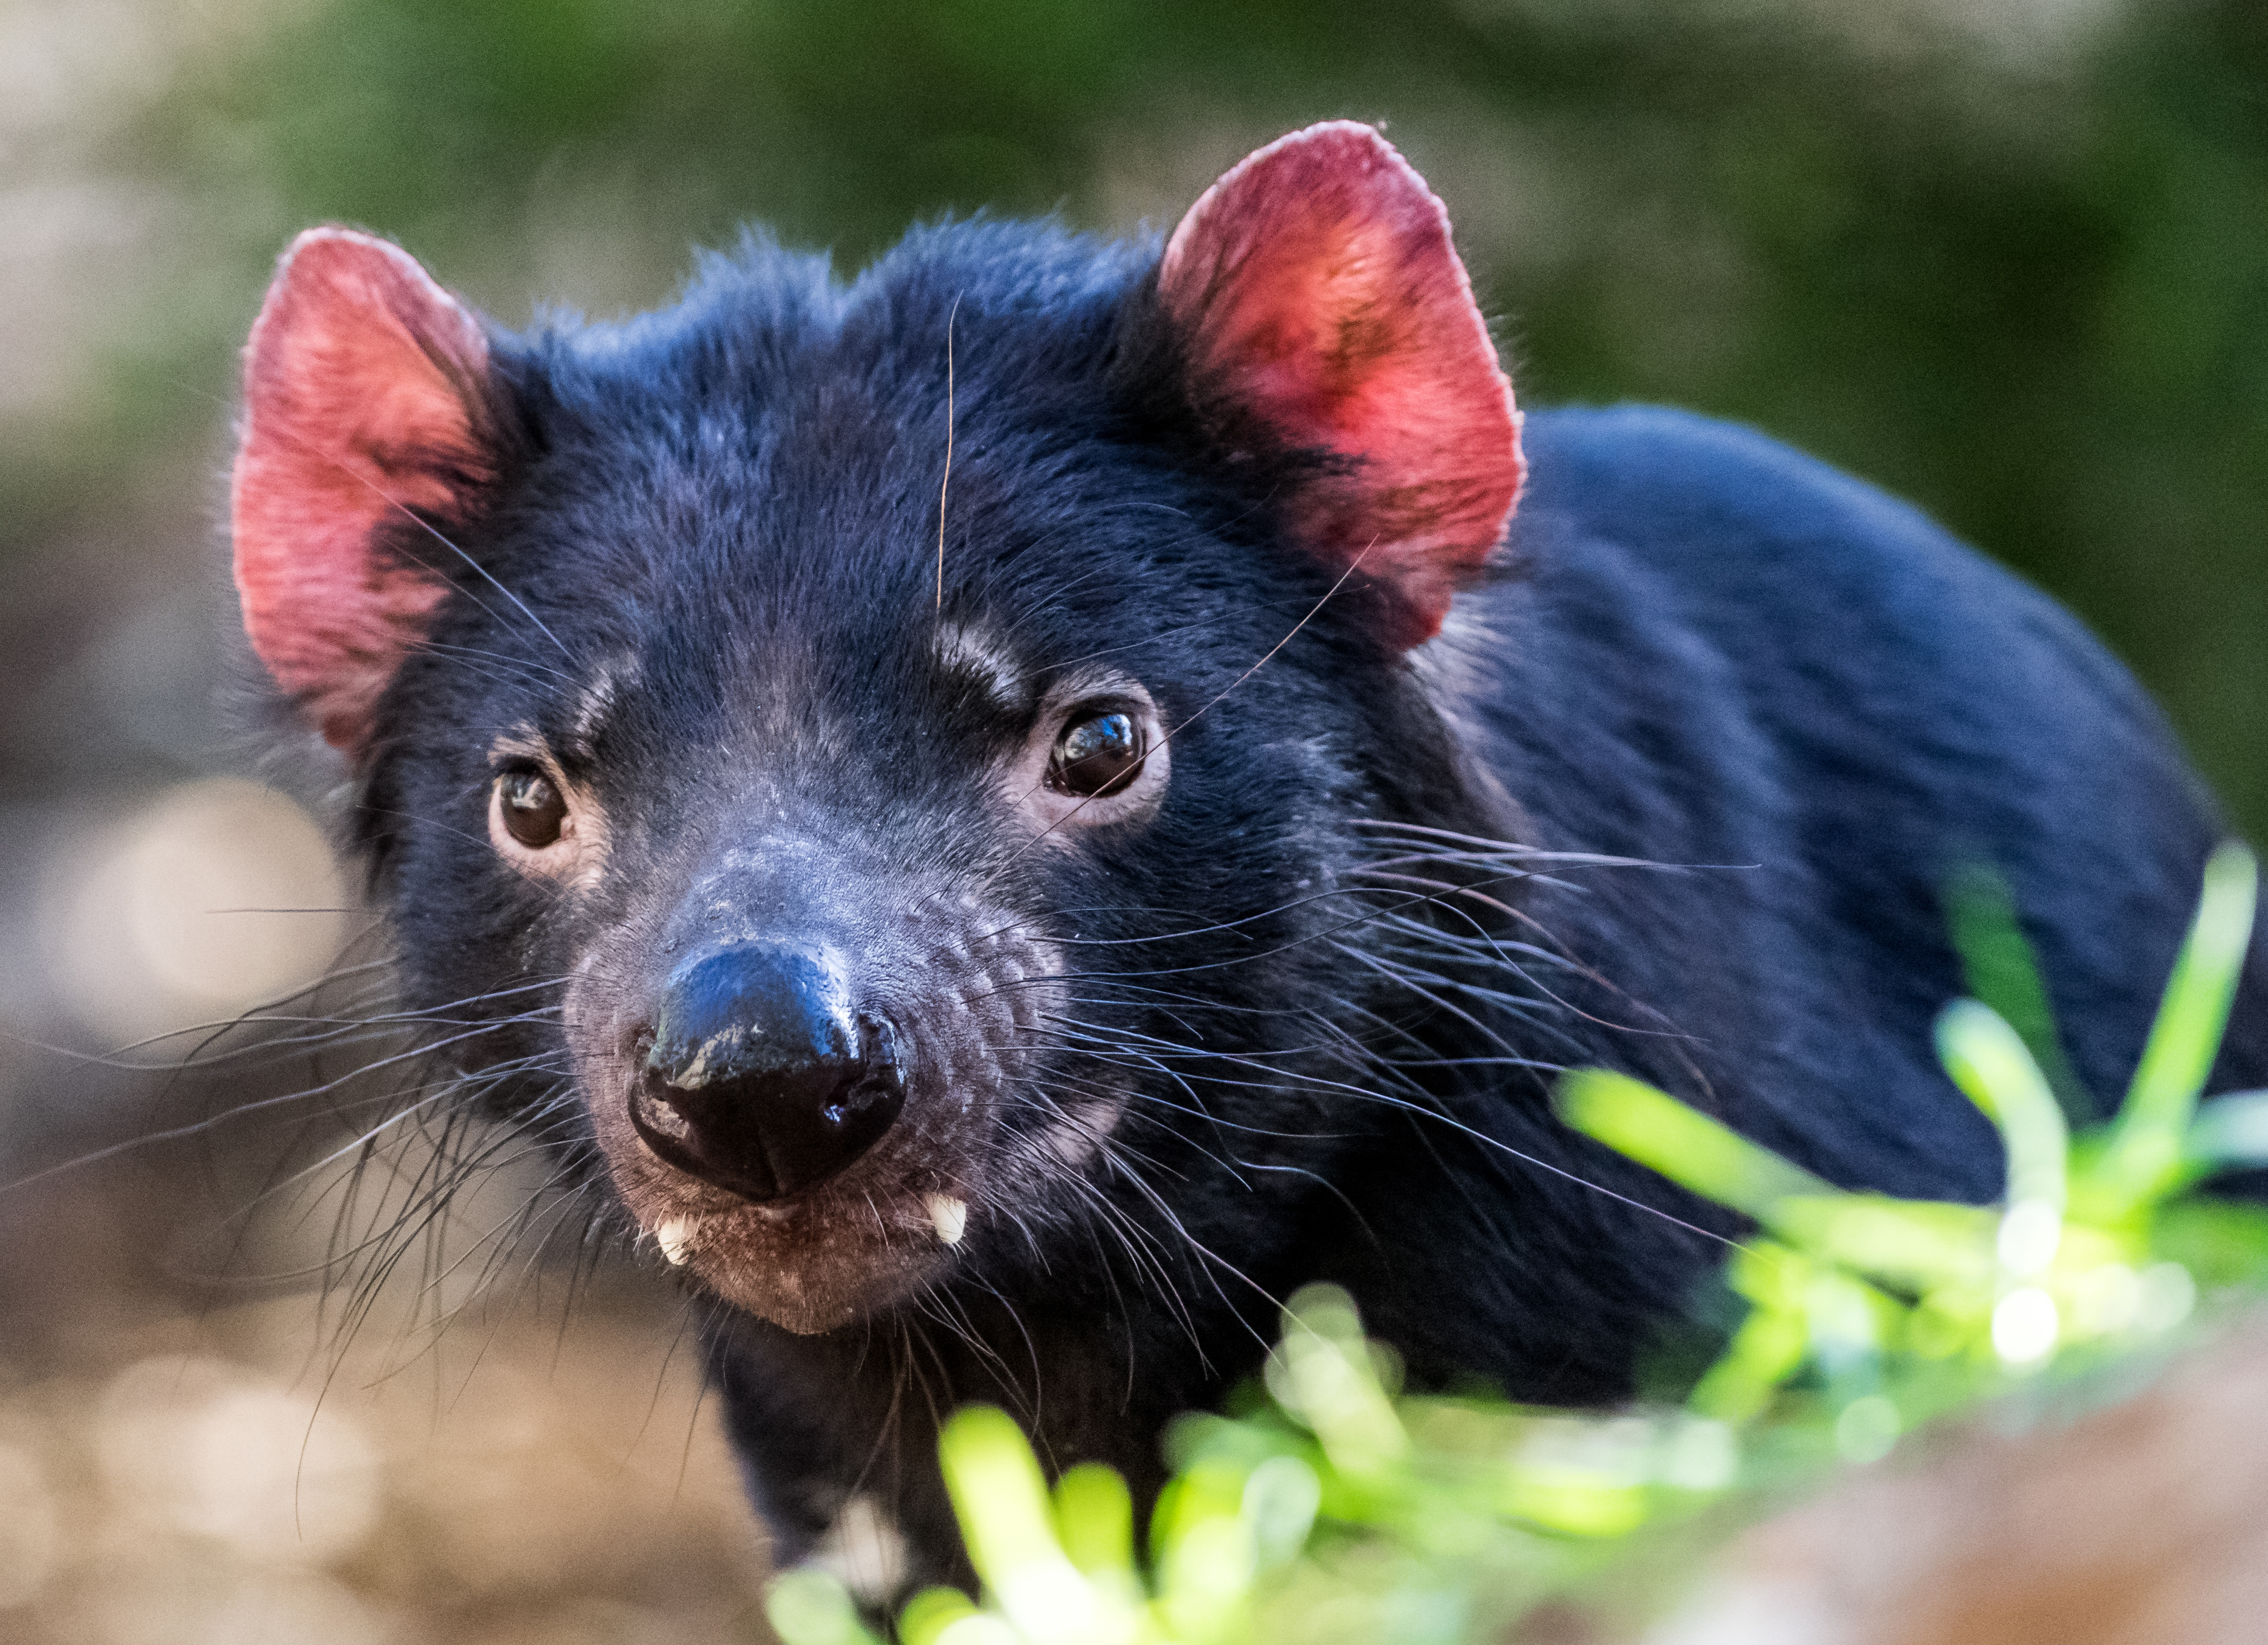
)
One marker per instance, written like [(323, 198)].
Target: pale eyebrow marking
[(969, 652), (598, 698), (522, 742)]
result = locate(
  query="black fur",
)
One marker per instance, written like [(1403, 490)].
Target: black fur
[(1797, 697)]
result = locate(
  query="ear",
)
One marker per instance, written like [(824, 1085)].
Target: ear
[(365, 389), (1321, 299)]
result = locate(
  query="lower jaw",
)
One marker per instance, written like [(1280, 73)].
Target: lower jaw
[(811, 1279), (813, 1307)]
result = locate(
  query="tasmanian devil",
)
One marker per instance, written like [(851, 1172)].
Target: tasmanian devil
[(1007, 813)]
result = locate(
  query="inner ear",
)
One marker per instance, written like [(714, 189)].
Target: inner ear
[(1321, 299), (366, 430)]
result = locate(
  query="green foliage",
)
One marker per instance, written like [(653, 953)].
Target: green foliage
[(1344, 1510), (2003, 972)]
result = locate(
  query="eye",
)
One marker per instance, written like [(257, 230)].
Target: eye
[(532, 808), (1097, 754)]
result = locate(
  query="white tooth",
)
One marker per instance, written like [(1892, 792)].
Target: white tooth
[(674, 1236), (948, 1216)]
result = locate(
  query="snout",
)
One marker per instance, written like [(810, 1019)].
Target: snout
[(762, 1076), (803, 1081)]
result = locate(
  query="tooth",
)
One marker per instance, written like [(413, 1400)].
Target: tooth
[(674, 1236), (948, 1216)]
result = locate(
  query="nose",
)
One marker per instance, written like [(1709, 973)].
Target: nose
[(762, 1078)]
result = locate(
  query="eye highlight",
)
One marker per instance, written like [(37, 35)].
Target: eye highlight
[(533, 811), (1098, 753), (1095, 758), (544, 822)]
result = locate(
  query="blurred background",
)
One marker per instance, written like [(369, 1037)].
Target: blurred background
[(2009, 258)]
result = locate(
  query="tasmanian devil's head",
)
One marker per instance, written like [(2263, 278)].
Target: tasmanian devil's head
[(879, 769)]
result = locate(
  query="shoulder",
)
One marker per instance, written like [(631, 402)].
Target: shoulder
[(1736, 528), (1643, 475)]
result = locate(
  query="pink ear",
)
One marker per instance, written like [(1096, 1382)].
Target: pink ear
[(1323, 298), (363, 402)]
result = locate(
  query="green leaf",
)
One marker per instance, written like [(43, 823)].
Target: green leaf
[(1987, 1059), (1689, 1148), (2145, 1155), (929, 1613), (2229, 1133), (1280, 1500), (2003, 972), (2222, 1244), (1771, 1343), (1096, 1515), (1009, 1524), (1912, 1245), (809, 1607), (1324, 1373)]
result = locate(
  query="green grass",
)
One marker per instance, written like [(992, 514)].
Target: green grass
[(1339, 1508)]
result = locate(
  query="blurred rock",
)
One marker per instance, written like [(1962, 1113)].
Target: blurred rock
[(2142, 1522)]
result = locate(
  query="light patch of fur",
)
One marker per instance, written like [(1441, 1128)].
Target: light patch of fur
[(1454, 666), (598, 698), (1453, 669), (865, 1552), (1076, 1138), (972, 652)]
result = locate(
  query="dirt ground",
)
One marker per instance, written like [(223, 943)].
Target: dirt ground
[(193, 1459)]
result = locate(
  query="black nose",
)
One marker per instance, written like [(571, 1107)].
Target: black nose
[(763, 1079)]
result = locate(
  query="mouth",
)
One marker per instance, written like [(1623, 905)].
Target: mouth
[(811, 1233), (675, 1236), (807, 1130), (809, 1261)]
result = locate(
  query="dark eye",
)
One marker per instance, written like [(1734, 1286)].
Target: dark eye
[(533, 811), (1097, 755)]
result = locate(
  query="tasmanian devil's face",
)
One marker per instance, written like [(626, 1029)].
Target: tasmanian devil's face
[(878, 768), (824, 1000), (817, 869)]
